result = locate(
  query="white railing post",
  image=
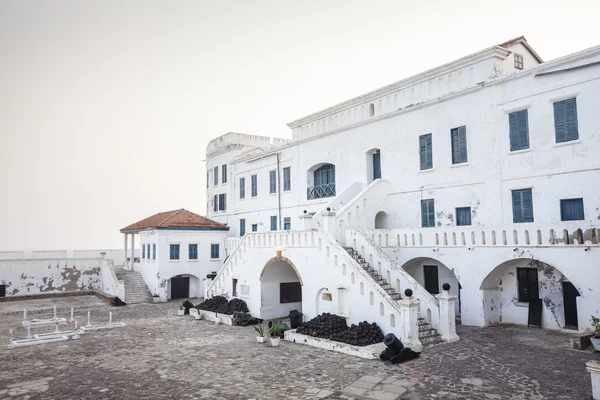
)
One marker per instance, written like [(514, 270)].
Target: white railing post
[(410, 322), (593, 368), (447, 325), (306, 221)]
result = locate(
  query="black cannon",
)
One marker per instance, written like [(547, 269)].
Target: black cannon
[(396, 352)]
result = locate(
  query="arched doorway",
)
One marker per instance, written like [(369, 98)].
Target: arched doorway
[(432, 274), (509, 288), (382, 220), (184, 286), (280, 288)]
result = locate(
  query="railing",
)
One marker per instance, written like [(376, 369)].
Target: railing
[(574, 233), (319, 192)]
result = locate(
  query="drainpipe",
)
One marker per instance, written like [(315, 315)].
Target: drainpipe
[(278, 191)]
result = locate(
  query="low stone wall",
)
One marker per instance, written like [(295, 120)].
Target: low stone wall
[(369, 352), (214, 317)]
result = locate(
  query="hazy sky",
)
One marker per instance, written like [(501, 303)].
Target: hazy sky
[(106, 107)]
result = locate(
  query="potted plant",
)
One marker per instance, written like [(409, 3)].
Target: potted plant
[(276, 331), (260, 330), (596, 338)]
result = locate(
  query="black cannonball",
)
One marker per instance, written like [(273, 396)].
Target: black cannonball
[(446, 286), (408, 292)]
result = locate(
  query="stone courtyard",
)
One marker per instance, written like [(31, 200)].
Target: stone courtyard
[(160, 355)]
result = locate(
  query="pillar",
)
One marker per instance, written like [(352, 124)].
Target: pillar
[(132, 251), (306, 221), (410, 321), (125, 252), (447, 327), (593, 368), (329, 222)]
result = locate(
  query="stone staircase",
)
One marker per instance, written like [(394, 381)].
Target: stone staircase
[(427, 334), (136, 290), (385, 285)]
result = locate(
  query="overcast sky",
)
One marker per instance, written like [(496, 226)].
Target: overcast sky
[(106, 107)]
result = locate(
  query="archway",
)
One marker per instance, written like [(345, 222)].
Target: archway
[(184, 286), (281, 289), (382, 220), (510, 286), (432, 274)]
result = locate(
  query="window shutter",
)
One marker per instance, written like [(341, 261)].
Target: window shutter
[(462, 134), (571, 119), (560, 122), (423, 151), (523, 129), (527, 205), (429, 151), (517, 206), (224, 202), (423, 213), (215, 203), (455, 145)]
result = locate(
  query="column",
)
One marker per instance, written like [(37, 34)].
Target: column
[(132, 251), (447, 328), (306, 221), (410, 322), (329, 222), (125, 252)]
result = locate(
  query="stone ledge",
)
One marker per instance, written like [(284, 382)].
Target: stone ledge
[(370, 352), (214, 317), (582, 341)]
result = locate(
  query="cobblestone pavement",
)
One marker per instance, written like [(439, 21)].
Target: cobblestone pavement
[(159, 355)]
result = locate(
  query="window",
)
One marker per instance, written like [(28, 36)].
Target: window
[(324, 182), (214, 251), (154, 251), (272, 182), (427, 213), (234, 287), (174, 252), (425, 151), (242, 188), (287, 179), (287, 224), (254, 227), (143, 251), (522, 204), (571, 210), (519, 130), (224, 174), (192, 251), (254, 185), (463, 216), (518, 61), (290, 292), (527, 280), (377, 165), (565, 120), (216, 176), (274, 223), (242, 227), (222, 202), (459, 145), (215, 203)]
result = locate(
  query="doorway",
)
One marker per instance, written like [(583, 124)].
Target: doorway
[(570, 294), (180, 288), (430, 273), (376, 165)]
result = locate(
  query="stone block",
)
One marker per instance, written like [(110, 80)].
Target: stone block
[(581, 341)]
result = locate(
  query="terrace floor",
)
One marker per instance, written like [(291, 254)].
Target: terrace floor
[(159, 355)]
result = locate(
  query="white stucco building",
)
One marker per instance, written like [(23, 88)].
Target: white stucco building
[(482, 173)]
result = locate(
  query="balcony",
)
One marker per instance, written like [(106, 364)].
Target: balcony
[(319, 192)]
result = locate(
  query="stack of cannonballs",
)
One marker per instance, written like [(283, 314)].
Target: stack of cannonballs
[(220, 305), (333, 327)]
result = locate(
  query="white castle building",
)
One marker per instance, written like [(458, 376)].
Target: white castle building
[(483, 173)]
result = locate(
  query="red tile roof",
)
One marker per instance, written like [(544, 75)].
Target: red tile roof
[(175, 219)]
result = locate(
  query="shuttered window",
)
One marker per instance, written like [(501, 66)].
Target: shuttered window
[(242, 227), (459, 145), (565, 120), (377, 165), (287, 179), (143, 251), (224, 174), (463, 216), (222, 202), (522, 204), (527, 279), (242, 188), (425, 151), (274, 223), (254, 185), (216, 176), (287, 223), (215, 203), (427, 213), (571, 210), (174, 252), (154, 251), (254, 227), (214, 251), (272, 182), (192, 251), (519, 130)]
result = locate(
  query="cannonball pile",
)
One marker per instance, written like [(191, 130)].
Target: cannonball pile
[(232, 306), (333, 327), (212, 304)]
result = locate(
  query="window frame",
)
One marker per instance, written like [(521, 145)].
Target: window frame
[(515, 120), (214, 246), (242, 227), (287, 179), (253, 185), (564, 202), (428, 213), (153, 251), (224, 173), (223, 203), (575, 123), (190, 246), (468, 212), (216, 176), (460, 131), (242, 188), (519, 61), (521, 218), (523, 285), (272, 181), (173, 246), (287, 223), (273, 219), (428, 152), (253, 227)]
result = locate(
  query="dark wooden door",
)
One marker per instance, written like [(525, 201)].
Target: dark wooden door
[(570, 303), (180, 288), (431, 279)]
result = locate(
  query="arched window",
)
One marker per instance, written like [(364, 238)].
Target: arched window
[(371, 110), (324, 182)]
